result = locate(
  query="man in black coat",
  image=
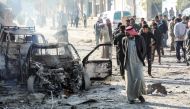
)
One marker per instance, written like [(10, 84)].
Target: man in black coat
[(148, 36), (119, 50), (158, 37)]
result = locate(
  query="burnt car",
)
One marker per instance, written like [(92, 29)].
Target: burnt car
[(14, 45), (55, 67), (27, 57)]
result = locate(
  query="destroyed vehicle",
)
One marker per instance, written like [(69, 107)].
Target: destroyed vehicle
[(55, 67), (14, 45), (20, 35)]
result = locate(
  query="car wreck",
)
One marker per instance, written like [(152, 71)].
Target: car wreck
[(55, 67), (44, 67), (14, 45)]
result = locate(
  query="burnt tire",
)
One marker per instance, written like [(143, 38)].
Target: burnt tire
[(31, 83)]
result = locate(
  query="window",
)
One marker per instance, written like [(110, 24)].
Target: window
[(38, 38), (19, 38), (126, 13), (117, 15)]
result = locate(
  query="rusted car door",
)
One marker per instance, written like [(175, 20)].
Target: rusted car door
[(96, 64)]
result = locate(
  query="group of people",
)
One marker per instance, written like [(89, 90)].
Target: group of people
[(136, 43), (75, 20), (103, 33)]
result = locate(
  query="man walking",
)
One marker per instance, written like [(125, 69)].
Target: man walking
[(180, 32), (120, 54), (147, 35), (134, 50), (161, 28), (157, 47), (164, 23)]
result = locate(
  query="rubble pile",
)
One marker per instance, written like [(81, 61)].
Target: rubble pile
[(156, 88)]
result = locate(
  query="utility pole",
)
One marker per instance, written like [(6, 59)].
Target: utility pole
[(81, 6), (122, 9), (134, 7), (94, 10), (101, 6)]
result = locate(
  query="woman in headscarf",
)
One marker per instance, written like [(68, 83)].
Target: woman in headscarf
[(134, 49)]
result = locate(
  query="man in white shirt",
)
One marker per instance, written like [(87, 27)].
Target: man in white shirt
[(180, 32)]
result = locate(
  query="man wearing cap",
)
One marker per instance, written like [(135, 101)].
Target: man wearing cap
[(148, 36), (119, 50), (134, 50)]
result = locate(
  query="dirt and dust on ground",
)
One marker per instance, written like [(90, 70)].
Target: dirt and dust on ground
[(169, 89)]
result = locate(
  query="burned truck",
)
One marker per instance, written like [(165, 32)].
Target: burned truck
[(14, 45), (55, 67)]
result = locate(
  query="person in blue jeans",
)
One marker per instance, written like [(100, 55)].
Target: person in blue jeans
[(180, 32)]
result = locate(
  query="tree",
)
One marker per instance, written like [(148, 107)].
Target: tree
[(182, 4)]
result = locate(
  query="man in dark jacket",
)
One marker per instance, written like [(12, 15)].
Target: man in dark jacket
[(148, 36), (161, 28), (119, 51), (158, 37), (116, 31)]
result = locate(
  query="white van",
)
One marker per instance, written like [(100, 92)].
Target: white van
[(116, 16)]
